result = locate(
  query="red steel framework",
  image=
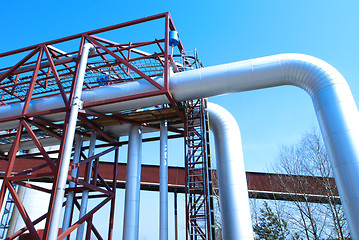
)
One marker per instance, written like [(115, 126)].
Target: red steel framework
[(260, 185), (44, 70), (199, 193)]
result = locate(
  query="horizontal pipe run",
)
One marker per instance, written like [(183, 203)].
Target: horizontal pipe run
[(333, 102)]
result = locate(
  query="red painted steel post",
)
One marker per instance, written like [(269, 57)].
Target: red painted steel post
[(166, 69), (113, 200)]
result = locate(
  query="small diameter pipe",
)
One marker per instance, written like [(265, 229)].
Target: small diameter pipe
[(71, 195), (69, 139), (133, 184), (163, 181), (85, 194), (232, 183), (175, 213), (13, 224)]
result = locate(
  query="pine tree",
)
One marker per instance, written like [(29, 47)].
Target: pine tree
[(270, 226)]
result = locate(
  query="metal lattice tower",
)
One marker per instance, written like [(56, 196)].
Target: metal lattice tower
[(199, 197)]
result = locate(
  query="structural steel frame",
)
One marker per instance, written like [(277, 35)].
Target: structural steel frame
[(199, 205), (45, 65), (43, 70)]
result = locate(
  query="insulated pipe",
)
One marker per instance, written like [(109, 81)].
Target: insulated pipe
[(133, 184), (334, 105), (333, 102), (163, 181), (71, 195), (69, 139), (85, 194), (232, 183)]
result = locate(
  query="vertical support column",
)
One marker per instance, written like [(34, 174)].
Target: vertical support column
[(71, 195), (175, 210), (85, 194), (69, 138), (133, 184), (163, 181)]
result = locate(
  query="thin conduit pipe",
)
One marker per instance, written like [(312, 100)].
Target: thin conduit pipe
[(233, 190), (69, 139), (71, 195), (133, 184), (85, 194), (163, 181)]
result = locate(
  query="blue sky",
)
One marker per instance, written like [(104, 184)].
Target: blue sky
[(222, 32)]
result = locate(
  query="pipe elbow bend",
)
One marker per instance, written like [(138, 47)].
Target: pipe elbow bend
[(310, 73), (89, 47)]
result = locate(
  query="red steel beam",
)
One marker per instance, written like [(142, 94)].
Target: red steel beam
[(105, 29), (260, 185)]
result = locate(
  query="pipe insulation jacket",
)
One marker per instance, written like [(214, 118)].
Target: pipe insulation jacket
[(232, 183), (333, 102), (133, 184), (163, 181), (334, 105)]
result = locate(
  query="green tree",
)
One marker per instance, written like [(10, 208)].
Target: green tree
[(269, 225)]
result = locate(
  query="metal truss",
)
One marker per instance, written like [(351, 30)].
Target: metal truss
[(199, 197), (44, 70)]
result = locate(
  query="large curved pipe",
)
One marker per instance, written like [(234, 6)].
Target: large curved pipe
[(232, 183), (333, 102)]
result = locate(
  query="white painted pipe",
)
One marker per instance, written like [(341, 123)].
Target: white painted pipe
[(333, 102), (163, 181), (133, 184), (70, 134), (232, 183), (71, 195), (334, 105), (85, 194), (15, 216)]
